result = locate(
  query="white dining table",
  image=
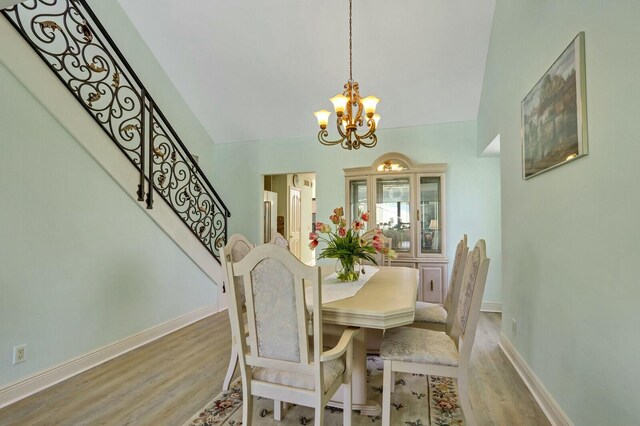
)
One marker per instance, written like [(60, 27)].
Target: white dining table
[(385, 301)]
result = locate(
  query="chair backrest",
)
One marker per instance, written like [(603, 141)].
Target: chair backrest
[(277, 317), (457, 272), (473, 283), (279, 240), (238, 247)]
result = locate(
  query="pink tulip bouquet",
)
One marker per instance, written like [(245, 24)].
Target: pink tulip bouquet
[(347, 244)]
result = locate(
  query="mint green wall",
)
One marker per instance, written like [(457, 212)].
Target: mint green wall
[(82, 265), (570, 264), (473, 187)]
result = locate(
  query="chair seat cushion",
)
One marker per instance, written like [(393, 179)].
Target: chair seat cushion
[(430, 312), (419, 345), (332, 371)]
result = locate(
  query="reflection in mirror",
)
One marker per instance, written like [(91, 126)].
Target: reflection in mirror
[(358, 201), (430, 214), (393, 211)]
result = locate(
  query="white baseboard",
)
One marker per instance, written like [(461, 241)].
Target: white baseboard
[(49, 377), (549, 406), (491, 307)]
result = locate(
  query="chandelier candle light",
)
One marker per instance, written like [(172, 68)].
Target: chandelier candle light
[(349, 107)]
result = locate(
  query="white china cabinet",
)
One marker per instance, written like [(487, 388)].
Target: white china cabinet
[(407, 202)]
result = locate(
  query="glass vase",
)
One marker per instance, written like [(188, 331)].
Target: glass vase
[(348, 270)]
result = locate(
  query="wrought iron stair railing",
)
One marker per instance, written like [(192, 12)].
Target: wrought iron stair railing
[(70, 39)]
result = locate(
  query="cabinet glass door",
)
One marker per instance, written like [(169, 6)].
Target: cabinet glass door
[(430, 214), (357, 199), (393, 211)]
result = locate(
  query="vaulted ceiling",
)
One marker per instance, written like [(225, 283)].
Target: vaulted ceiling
[(254, 69)]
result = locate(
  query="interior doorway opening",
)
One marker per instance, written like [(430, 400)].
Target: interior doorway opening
[(289, 208)]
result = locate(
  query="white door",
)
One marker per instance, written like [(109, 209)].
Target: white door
[(294, 221)]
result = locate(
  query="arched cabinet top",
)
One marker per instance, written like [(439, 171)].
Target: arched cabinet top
[(394, 162)]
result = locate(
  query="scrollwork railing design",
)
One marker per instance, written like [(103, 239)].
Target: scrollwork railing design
[(70, 39)]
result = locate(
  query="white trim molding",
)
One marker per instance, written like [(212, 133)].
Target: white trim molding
[(56, 374), (549, 406), (491, 307)]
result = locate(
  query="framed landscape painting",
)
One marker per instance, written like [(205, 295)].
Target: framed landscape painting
[(554, 114)]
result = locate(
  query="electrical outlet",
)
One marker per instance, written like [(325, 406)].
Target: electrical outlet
[(19, 354), (514, 328)]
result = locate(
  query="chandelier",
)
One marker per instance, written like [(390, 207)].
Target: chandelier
[(349, 107)]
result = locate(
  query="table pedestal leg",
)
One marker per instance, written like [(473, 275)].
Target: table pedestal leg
[(358, 381)]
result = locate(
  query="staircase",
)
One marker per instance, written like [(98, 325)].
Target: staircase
[(70, 39)]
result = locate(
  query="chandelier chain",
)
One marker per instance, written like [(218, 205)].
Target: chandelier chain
[(350, 45)]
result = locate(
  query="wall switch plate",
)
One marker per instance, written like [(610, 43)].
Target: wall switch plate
[(19, 354), (514, 328)]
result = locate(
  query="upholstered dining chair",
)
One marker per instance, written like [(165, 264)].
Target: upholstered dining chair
[(438, 317), (279, 240), (237, 247), (278, 358), (421, 351)]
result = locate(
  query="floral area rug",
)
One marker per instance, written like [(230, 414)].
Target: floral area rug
[(417, 401)]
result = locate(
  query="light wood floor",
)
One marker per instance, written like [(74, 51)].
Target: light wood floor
[(167, 381)]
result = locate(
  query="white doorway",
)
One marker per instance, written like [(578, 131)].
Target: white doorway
[(294, 221), (292, 211)]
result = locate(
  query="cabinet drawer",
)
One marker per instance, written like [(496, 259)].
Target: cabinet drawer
[(405, 264), (431, 283)]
